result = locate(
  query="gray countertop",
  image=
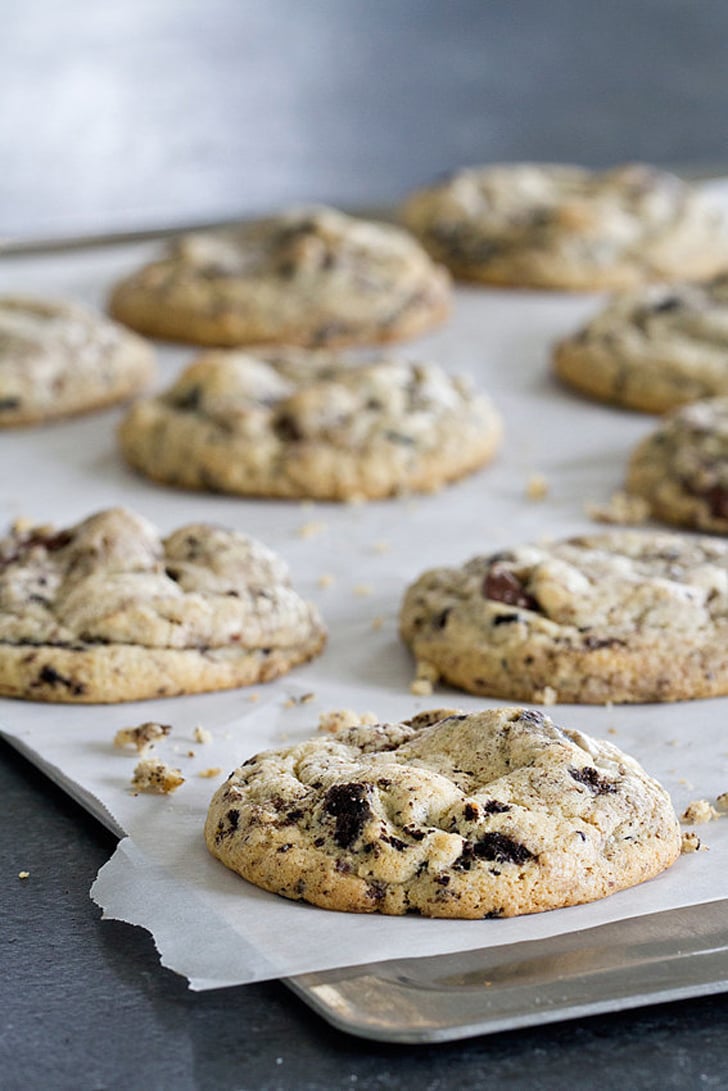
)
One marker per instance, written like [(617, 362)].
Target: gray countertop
[(120, 115)]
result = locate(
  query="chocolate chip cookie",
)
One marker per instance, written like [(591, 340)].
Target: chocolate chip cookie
[(627, 616), (681, 469), (296, 423), (108, 611), (58, 359), (491, 814), (314, 277), (652, 350), (549, 226)]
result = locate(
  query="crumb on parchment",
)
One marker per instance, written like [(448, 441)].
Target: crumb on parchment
[(202, 735), (23, 874), (340, 718), (142, 737), (213, 771), (155, 777), (326, 580), (426, 678), (304, 699), (700, 810), (690, 842), (311, 529), (537, 487)]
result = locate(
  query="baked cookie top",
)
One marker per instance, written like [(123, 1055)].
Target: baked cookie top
[(555, 226), (625, 616), (491, 814), (57, 359), (654, 349), (109, 610), (312, 277), (294, 423), (681, 469)]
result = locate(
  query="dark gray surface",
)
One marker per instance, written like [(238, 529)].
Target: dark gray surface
[(85, 1003), (113, 114), (118, 114)]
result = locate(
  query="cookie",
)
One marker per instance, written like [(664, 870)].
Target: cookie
[(652, 350), (547, 226), (59, 359), (626, 616), (295, 423), (108, 611), (681, 469), (313, 277), (492, 814)]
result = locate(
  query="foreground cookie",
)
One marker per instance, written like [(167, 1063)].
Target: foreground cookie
[(314, 278), (627, 616), (108, 611), (681, 470), (547, 226), (488, 815), (293, 423), (58, 359), (652, 350)]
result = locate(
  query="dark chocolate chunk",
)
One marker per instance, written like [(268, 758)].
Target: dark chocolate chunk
[(349, 805), (501, 585), (439, 621), (717, 499), (49, 676), (286, 428), (9, 403), (590, 778), (501, 849), (492, 806)]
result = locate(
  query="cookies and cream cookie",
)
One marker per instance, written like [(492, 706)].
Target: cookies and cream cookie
[(654, 349), (550, 226), (107, 611), (681, 469), (626, 616), (295, 423), (313, 277), (58, 359), (491, 814)]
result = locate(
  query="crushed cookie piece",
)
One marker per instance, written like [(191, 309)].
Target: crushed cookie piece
[(621, 508), (363, 590), (311, 529), (722, 801), (213, 771), (690, 842), (699, 811), (341, 718), (155, 777), (23, 874), (537, 487), (326, 580), (201, 735), (142, 737), (546, 696)]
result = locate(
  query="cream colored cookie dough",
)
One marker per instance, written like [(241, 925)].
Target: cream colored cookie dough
[(108, 611), (681, 469), (491, 814), (652, 350), (313, 277), (549, 226), (294, 423), (627, 616), (58, 359)]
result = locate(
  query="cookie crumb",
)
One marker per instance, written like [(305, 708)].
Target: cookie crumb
[(23, 874), (142, 737), (377, 623), (382, 547), (304, 699), (537, 487), (154, 776), (191, 753), (311, 529), (253, 697), (690, 842), (421, 687), (621, 508), (213, 771), (546, 696), (201, 735), (339, 719), (326, 580), (363, 590), (699, 811), (612, 731)]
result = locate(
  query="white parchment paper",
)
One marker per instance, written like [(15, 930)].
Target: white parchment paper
[(207, 923)]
